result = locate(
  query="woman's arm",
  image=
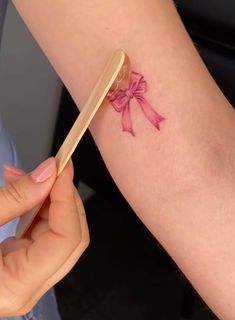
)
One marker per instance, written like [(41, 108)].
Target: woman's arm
[(179, 179)]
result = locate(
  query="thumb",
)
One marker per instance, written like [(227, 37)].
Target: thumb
[(25, 193)]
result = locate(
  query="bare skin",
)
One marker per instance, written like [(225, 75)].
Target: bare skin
[(179, 180)]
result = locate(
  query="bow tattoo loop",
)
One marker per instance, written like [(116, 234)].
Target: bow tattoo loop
[(120, 100)]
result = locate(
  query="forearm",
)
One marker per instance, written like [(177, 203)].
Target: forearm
[(172, 177)]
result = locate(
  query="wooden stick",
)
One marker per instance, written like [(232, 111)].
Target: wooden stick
[(111, 77)]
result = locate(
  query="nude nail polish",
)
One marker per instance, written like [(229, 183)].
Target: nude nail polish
[(44, 171)]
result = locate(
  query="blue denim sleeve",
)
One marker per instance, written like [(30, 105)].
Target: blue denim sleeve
[(7, 155)]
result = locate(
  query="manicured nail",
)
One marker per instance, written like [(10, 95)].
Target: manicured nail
[(44, 171), (14, 170)]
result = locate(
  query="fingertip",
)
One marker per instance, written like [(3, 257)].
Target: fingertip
[(63, 187), (44, 171), (11, 173), (9, 177), (71, 168), (13, 170), (68, 169)]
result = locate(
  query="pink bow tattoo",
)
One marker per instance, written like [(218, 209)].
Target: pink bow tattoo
[(121, 102)]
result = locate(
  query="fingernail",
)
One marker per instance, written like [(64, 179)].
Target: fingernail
[(13, 170), (44, 171)]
